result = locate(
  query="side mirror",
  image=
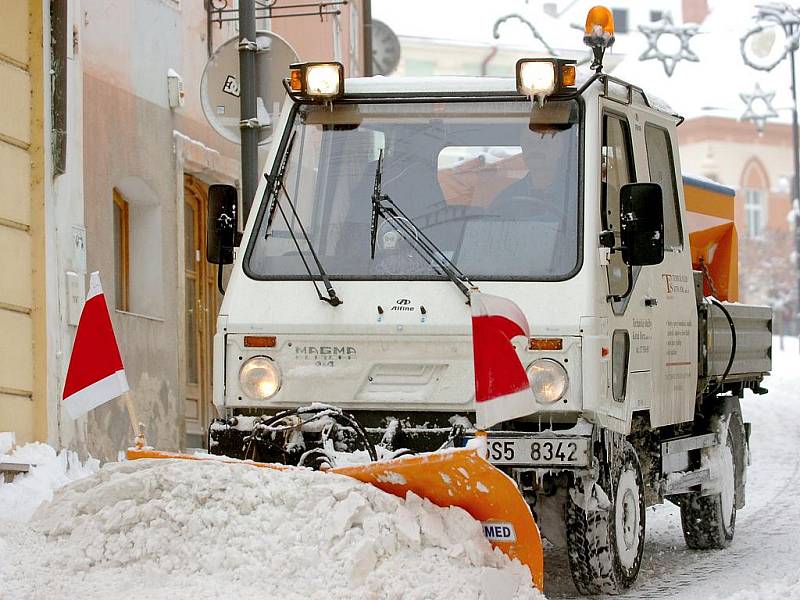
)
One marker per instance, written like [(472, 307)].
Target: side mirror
[(642, 224), (222, 224)]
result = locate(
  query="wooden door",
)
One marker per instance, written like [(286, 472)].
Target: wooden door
[(202, 305)]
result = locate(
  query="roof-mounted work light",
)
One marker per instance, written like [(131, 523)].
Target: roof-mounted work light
[(599, 34), (316, 80), (542, 77)]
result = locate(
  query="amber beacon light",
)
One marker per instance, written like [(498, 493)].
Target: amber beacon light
[(599, 34)]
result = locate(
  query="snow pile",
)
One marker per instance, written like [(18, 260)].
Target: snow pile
[(189, 529), (49, 471)]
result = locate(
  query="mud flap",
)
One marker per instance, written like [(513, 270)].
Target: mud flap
[(456, 477)]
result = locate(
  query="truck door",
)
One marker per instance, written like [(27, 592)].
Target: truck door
[(675, 362), (630, 289)]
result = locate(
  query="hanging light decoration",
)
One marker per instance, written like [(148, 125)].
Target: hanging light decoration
[(524, 21), (775, 33), (668, 43), (759, 107)]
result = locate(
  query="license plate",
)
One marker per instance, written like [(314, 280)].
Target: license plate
[(539, 451)]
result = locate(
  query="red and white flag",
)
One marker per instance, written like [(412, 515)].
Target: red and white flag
[(502, 390), (95, 374)]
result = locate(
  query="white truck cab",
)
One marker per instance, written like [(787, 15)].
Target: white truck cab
[(386, 200)]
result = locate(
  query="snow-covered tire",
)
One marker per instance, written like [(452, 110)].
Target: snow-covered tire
[(605, 544), (709, 521)]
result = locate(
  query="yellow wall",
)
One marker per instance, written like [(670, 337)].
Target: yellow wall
[(22, 401)]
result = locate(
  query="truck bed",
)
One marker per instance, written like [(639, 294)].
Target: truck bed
[(753, 326)]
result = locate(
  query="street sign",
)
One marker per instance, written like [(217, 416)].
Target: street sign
[(219, 87)]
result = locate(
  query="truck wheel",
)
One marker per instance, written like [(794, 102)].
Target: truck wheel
[(605, 543), (708, 521)]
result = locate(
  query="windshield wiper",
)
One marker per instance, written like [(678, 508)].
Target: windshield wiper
[(277, 186), (383, 206)]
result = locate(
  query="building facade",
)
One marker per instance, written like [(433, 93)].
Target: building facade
[(109, 173), (23, 356), (759, 167)]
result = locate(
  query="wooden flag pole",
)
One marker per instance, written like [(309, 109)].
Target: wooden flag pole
[(131, 408)]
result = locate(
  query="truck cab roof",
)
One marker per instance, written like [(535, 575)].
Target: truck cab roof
[(457, 85)]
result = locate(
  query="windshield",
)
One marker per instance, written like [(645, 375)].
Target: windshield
[(493, 184)]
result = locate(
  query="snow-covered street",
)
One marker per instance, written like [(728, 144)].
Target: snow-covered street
[(174, 534), (762, 562), (185, 529), (400, 300)]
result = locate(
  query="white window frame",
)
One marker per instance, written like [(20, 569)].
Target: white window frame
[(755, 210), (337, 39), (355, 31)]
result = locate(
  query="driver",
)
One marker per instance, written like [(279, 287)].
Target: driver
[(541, 192), (543, 203)]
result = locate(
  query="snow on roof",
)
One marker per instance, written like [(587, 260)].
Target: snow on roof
[(457, 84), (709, 184), (440, 83), (389, 85)]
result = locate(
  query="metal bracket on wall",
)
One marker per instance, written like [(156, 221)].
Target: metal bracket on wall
[(219, 13)]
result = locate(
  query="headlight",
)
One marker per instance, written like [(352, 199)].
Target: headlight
[(548, 380), (317, 80), (259, 378), (322, 80), (540, 77), (537, 78)]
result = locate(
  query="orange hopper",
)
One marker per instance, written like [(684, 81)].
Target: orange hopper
[(712, 236)]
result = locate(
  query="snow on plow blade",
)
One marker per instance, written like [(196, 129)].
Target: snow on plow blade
[(457, 477), (462, 478)]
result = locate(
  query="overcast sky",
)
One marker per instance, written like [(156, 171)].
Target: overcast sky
[(715, 81)]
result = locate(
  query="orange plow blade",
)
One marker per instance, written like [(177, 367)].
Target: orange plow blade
[(462, 478), (134, 453), (458, 477)]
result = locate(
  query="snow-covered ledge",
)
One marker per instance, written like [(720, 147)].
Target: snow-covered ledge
[(195, 158)]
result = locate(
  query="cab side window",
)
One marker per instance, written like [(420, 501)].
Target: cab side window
[(662, 171), (616, 171)]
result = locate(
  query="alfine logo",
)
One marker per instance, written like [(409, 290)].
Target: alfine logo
[(403, 304)]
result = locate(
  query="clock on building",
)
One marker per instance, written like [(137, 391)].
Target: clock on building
[(385, 49)]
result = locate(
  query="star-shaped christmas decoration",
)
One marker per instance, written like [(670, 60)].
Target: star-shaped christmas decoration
[(657, 32), (758, 112)]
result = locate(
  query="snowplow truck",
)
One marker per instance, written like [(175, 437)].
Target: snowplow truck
[(345, 329)]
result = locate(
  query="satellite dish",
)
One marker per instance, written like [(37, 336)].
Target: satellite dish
[(219, 87)]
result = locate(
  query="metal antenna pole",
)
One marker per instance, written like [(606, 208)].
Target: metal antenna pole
[(247, 102), (796, 186), (367, 31)]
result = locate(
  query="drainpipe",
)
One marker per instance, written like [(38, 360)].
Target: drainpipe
[(247, 102), (485, 62)]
